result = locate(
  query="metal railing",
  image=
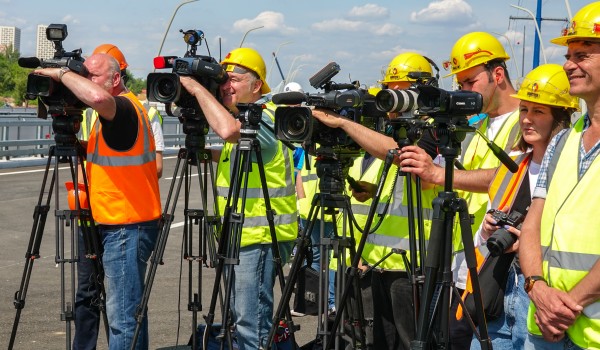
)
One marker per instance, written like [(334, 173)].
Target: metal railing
[(23, 134)]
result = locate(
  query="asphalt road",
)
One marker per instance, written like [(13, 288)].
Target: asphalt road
[(40, 325)]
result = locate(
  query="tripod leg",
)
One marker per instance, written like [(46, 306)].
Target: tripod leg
[(161, 242), (40, 215)]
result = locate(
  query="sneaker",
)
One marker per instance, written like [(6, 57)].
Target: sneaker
[(296, 314), (331, 313)]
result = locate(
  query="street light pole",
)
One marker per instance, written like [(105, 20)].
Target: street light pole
[(171, 22), (248, 31), (273, 60), (511, 50), (539, 35)]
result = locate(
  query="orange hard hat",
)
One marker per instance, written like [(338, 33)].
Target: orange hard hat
[(114, 51), (83, 203)]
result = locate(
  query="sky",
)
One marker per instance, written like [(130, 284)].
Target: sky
[(362, 37)]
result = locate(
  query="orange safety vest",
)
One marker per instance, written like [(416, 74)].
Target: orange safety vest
[(123, 184), (502, 191)]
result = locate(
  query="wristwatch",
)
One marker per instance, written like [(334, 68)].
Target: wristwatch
[(62, 72), (530, 281)]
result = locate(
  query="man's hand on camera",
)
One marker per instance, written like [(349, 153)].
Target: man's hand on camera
[(189, 83), (53, 73), (415, 160), (329, 118)]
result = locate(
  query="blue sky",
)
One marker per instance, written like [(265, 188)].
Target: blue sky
[(362, 37)]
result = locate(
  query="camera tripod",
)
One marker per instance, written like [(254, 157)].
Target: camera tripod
[(433, 320), (66, 150), (332, 169), (233, 221), (406, 132), (192, 155)]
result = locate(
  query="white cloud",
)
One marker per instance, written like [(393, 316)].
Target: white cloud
[(70, 19), (271, 21), (444, 11), (334, 25), (387, 29), (371, 11)]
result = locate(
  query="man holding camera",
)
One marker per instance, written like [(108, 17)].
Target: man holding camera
[(124, 191), (386, 285), (87, 313), (478, 60), (559, 239), (254, 276)]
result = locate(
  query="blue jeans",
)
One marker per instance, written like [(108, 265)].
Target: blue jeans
[(252, 297), (315, 239), (509, 331), (127, 248), (535, 342), (87, 312)]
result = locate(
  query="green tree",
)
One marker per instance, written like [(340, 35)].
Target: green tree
[(13, 78), (134, 84)]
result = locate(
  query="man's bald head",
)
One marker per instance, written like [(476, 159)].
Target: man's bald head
[(104, 70)]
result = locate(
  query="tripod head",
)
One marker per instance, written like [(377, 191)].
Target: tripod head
[(332, 168), (250, 115)]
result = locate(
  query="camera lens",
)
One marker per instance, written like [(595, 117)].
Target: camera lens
[(39, 85), (399, 101), (163, 87), (499, 241), (295, 125)]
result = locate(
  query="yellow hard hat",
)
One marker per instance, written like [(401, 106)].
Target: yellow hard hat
[(547, 84), (585, 25), (114, 51), (373, 90), (403, 64), (474, 49), (250, 59)]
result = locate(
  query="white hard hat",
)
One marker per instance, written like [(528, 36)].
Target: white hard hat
[(293, 86)]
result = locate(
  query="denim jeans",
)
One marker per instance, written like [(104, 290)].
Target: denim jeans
[(127, 248), (87, 312), (509, 331), (534, 342), (315, 239), (252, 297)]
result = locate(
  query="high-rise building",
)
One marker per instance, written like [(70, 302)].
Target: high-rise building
[(44, 48), (10, 37)]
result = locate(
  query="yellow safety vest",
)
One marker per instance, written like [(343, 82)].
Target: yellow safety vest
[(310, 184), (393, 232), (477, 155), (282, 194), (569, 235)]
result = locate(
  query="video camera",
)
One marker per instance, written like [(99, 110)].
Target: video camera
[(55, 95), (166, 87), (296, 123)]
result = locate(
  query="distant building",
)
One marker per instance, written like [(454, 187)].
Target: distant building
[(44, 48), (10, 37)]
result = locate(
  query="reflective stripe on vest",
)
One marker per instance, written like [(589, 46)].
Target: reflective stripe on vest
[(123, 160), (477, 155), (569, 238), (507, 184)]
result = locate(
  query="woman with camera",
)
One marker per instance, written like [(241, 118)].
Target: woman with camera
[(545, 109)]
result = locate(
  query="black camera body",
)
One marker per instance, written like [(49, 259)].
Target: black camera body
[(296, 124), (55, 95), (501, 240), (166, 87)]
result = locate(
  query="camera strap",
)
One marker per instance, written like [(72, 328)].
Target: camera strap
[(523, 197)]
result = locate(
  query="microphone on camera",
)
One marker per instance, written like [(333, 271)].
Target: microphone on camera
[(29, 62), (289, 98)]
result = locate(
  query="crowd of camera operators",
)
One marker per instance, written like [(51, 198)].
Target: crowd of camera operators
[(549, 292)]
